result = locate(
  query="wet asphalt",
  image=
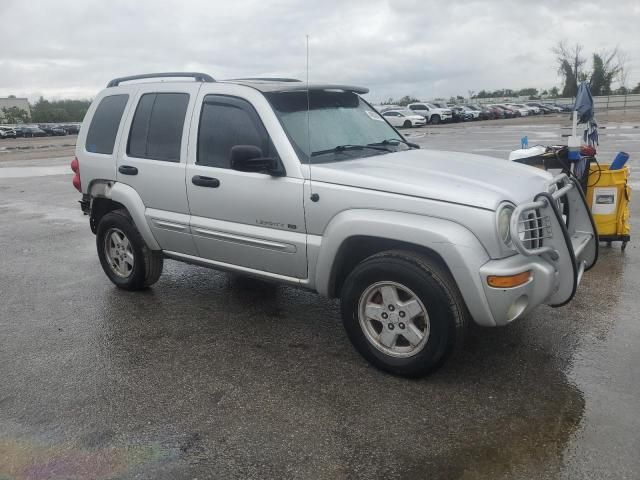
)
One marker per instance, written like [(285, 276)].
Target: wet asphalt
[(208, 375)]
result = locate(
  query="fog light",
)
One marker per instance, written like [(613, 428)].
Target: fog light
[(509, 281)]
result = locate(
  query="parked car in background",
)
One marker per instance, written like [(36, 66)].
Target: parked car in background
[(404, 118), (495, 111), (384, 108), (30, 131), (484, 113), (459, 114), (524, 111), (434, 114), (7, 132), (53, 130), (552, 108), (556, 107), (508, 112), (72, 129), (475, 114), (519, 112), (543, 108), (533, 110)]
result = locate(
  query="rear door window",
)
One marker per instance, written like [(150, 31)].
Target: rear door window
[(156, 130), (101, 136)]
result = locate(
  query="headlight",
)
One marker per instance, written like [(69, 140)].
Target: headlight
[(504, 223)]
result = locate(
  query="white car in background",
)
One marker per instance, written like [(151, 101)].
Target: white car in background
[(475, 114), (404, 118), (533, 110), (431, 112), (524, 111)]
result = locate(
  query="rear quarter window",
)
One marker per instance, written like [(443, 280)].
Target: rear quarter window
[(103, 130)]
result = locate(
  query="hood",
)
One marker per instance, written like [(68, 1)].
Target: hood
[(463, 178)]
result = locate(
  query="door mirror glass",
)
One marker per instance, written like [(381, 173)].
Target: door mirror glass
[(249, 158)]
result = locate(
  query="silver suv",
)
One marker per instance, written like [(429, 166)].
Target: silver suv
[(309, 186)]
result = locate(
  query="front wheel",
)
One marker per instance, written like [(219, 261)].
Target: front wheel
[(406, 124), (435, 119), (123, 253), (403, 312)]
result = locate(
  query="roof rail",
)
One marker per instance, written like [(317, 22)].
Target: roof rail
[(198, 77), (266, 79)]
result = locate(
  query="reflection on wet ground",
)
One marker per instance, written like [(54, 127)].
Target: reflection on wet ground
[(212, 375)]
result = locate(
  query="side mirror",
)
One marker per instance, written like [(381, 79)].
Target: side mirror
[(249, 158)]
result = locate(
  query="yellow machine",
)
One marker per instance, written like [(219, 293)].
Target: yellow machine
[(608, 195)]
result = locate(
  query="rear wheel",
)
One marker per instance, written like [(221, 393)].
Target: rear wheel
[(124, 255), (435, 119), (403, 312)]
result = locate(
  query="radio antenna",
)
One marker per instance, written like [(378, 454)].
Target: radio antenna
[(314, 196)]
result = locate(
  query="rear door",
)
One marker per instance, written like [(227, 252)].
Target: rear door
[(152, 159)]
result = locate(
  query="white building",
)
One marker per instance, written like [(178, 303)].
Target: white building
[(8, 102)]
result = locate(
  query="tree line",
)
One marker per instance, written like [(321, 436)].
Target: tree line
[(607, 68), (48, 111)]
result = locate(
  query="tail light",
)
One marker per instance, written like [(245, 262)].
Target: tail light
[(75, 166)]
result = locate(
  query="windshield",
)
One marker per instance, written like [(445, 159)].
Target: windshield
[(336, 119)]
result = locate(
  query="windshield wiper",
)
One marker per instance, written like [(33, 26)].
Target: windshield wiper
[(344, 148), (395, 141)]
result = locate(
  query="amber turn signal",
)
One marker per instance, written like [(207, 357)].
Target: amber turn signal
[(509, 281)]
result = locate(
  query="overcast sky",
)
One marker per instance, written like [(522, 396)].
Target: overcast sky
[(418, 47)]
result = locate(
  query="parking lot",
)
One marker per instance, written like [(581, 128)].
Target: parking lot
[(208, 375)]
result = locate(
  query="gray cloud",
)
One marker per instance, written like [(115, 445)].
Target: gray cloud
[(426, 48)]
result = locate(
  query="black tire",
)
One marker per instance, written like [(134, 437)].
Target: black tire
[(435, 119), (433, 286), (407, 124), (147, 264)]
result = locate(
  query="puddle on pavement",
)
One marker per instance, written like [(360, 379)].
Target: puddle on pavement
[(33, 459)]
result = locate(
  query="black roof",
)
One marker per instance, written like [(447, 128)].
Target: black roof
[(266, 85)]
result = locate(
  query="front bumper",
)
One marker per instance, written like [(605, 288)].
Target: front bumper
[(557, 241)]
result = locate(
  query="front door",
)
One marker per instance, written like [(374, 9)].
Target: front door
[(246, 219)]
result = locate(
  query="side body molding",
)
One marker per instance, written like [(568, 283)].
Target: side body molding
[(459, 248), (127, 196)]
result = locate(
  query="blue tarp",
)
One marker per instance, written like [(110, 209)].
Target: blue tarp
[(584, 103)]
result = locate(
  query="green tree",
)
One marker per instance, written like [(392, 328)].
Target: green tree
[(15, 115), (606, 68), (45, 111), (636, 89), (528, 92), (406, 100), (570, 62), (554, 92)]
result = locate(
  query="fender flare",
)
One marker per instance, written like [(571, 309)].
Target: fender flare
[(458, 247), (127, 196)]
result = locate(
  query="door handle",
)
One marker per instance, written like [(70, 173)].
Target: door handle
[(127, 170), (205, 181)]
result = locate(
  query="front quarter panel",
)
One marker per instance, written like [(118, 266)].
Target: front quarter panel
[(457, 246)]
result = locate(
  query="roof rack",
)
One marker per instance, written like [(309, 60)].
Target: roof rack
[(198, 77), (267, 79)]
